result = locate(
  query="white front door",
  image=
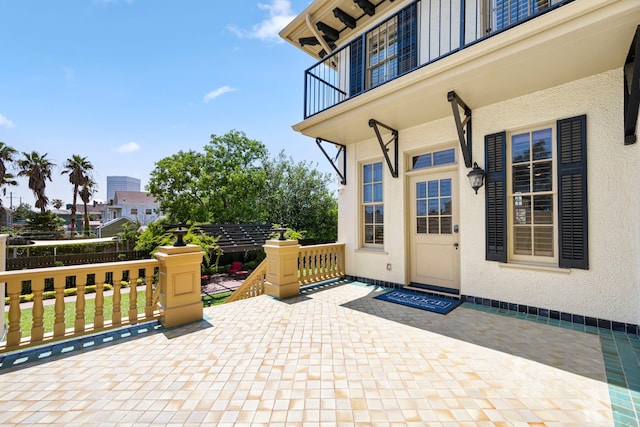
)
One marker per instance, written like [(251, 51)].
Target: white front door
[(434, 252)]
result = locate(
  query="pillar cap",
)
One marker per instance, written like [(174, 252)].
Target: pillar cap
[(281, 243), (175, 250)]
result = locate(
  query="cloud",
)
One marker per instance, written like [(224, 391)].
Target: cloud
[(6, 122), (216, 93), (280, 14), (128, 148)]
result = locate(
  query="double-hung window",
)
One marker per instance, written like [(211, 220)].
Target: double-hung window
[(372, 205), (536, 195), (509, 12), (384, 52), (531, 189)]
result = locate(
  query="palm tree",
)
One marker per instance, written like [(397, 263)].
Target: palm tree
[(6, 156), (57, 203), (88, 189), (38, 169), (78, 169)]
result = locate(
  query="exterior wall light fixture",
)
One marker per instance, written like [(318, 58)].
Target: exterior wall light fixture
[(476, 177)]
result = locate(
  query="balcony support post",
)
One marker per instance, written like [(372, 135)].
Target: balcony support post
[(632, 90), (393, 168), (463, 14), (342, 151), (180, 300), (463, 126)]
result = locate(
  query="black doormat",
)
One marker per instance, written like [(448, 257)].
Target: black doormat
[(424, 302)]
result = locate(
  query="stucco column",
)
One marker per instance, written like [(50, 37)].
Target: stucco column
[(179, 282), (3, 267), (282, 268)]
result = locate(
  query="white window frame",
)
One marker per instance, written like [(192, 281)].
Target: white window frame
[(362, 204), (531, 259), (387, 35)]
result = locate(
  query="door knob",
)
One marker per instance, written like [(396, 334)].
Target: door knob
[(455, 245)]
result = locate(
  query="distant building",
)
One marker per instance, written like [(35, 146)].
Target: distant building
[(95, 211), (121, 183), (138, 206)]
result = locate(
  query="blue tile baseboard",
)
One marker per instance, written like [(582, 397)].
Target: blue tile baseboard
[(375, 282), (21, 357), (576, 319)]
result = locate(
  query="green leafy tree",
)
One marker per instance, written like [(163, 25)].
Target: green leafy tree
[(78, 168), (298, 195), (178, 184), (38, 169), (129, 235), (88, 189), (23, 213), (220, 185), (235, 164)]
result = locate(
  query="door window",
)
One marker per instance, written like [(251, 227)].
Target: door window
[(434, 207)]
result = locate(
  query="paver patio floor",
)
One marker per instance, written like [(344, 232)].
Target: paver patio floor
[(332, 356)]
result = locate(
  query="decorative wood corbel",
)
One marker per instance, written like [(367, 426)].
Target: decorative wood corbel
[(632, 90), (342, 151), (393, 168), (463, 126)]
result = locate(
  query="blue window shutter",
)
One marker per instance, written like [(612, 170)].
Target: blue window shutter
[(407, 39), (356, 72), (572, 193), (496, 197)]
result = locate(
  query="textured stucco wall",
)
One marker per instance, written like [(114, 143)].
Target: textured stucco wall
[(608, 290)]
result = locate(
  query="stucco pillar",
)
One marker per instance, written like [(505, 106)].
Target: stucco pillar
[(3, 267), (282, 268), (179, 282)]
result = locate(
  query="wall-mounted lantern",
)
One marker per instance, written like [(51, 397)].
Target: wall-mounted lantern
[(476, 177)]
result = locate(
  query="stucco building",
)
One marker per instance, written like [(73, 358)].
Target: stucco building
[(543, 95), (137, 206), (121, 183)]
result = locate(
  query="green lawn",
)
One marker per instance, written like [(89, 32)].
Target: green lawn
[(215, 299)]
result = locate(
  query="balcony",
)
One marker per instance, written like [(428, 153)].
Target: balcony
[(400, 70)]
